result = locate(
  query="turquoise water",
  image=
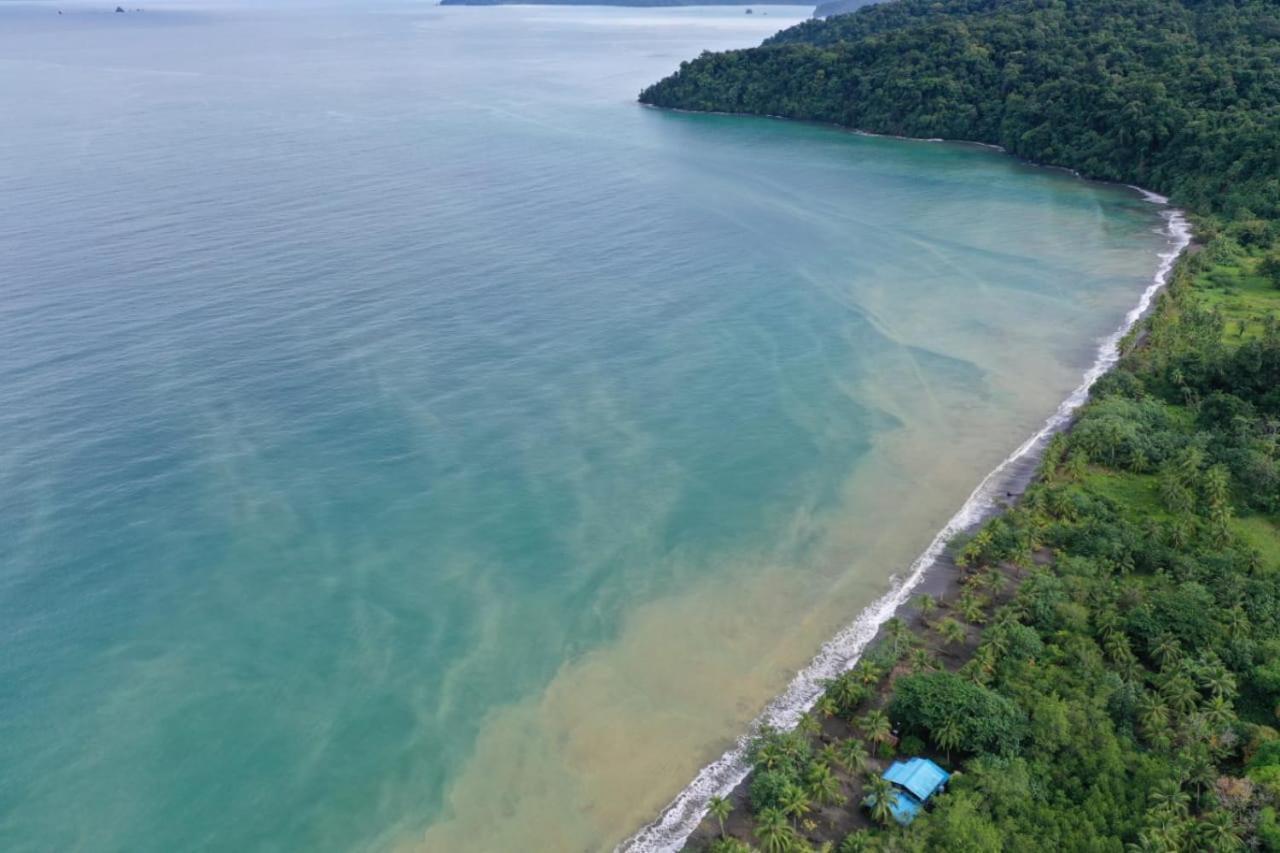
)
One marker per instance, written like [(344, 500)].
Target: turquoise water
[(407, 440)]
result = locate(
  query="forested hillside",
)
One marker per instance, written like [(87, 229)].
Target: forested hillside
[(1179, 97), (840, 7)]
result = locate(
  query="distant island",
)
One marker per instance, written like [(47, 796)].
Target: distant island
[(649, 3)]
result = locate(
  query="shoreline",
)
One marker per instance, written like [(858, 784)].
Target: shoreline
[(1148, 195), (1005, 483)]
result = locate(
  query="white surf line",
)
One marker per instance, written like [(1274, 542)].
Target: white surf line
[(682, 815)]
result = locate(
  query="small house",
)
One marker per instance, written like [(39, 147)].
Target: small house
[(916, 780)]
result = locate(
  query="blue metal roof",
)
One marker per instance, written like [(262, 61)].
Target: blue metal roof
[(905, 808), (918, 776)]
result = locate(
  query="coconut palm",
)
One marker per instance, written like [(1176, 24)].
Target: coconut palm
[(1169, 798), (847, 692), (970, 607), (948, 736), (729, 845), (896, 630), (823, 786), (1167, 651), (927, 605), (1180, 693), (922, 661), (808, 725), (1152, 713), (1219, 681), (1237, 619), (719, 808), (853, 755), (951, 631), (775, 834), (867, 672), (881, 796), (1217, 492), (1148, 842), (1218, 832), (827, 706), (995, 581), (1219, 712), (770, 754), (1116, 645), (1199, 770), (875, 727), (855, 842), (794, 802)]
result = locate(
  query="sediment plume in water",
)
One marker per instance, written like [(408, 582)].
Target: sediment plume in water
[(682, 816)]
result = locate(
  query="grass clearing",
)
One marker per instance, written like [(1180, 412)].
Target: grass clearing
[(1244, 298)]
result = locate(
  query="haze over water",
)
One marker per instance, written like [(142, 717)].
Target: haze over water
[(407, 441)]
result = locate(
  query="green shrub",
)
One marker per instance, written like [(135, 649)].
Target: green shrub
[(987, 721)]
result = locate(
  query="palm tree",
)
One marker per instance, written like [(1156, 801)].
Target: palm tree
[(969, 605), (847, 692), (1218, 832), (719, 808), (881, 796), (927, 605), (827, 706), (1198, 769), (771, 754), (794, 802), (808, 725), (948, 736), (1116, 645), (773, 830), (1167, 651), (1077, 466), (1152, 713), (855, 842), (922, 661), (1219, 712), (1169, 798), (995, 582), (1180, 693), (1217, 491), (1237, 619), (729, 845), (1148, 843), (853, 755), (896, 631), (951, 631), (1219, 681), (823, 786), (867, 672), (875, 726), (987, 659)]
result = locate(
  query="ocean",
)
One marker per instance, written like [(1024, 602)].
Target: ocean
[(409, 442)]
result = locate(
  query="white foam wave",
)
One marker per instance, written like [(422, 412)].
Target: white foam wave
[(683, 814)]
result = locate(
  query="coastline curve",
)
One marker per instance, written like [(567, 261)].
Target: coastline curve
[(677, 821)]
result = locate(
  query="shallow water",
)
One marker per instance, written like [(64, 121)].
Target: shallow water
[(408, 441)]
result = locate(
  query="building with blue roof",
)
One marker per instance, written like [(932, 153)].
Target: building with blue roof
[(915, 781)]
